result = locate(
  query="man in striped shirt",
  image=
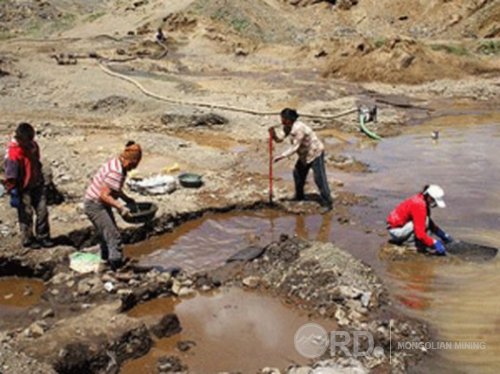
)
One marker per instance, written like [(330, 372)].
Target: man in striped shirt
[(105, 192), (311, 154)]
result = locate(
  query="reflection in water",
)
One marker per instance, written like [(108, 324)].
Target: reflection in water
[(233, 330), (460, 300), (207, 242), (416, 280)]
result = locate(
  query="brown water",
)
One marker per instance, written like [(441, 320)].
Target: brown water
[(207, 242), (18, 294), (234, 330), (461, 301)]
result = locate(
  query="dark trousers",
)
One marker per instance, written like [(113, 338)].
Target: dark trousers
[(300, 175), (104, 222), (34, 201)]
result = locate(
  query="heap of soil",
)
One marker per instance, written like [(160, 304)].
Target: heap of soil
[(401, 60)]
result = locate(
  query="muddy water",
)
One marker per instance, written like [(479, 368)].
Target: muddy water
[(234, 330), (207, 242), (18, 294), (460, 300)]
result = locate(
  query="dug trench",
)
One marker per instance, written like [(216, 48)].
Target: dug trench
[(93, 323)]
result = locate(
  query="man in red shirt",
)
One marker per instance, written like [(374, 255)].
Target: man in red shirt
[(411, 220), (25, 183)]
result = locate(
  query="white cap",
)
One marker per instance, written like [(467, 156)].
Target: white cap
[(437, 194)]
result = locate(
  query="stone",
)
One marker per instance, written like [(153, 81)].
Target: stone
[(268, 370), (176, 287), (350, 292), (365, 299), (186, 291), (109, 287), (251, 282), (60, 278), (185, 345), (341, 318), (168, 326), (170, 364), (35, 330), (49, 313)]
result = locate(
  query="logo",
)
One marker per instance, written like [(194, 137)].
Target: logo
[(311, 340)]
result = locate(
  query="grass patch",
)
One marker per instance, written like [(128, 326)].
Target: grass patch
[(379, 42), (456, 50), (491, 47), (93, 16), (240, 24)]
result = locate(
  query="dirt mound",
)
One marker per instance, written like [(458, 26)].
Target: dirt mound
[(112, 103), (179, 22), (256, 20), (401, 60)]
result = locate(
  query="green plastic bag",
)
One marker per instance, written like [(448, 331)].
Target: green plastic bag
[(83, 262)]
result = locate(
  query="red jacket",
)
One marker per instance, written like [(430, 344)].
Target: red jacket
[(414, 209), (23, 168)]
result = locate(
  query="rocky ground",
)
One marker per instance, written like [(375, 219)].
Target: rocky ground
[(90, 77), (81, 325)]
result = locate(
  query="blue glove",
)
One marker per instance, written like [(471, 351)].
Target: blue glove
[(15, 199), (444, 236), (439, 247)]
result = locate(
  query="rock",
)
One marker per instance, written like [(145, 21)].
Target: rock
[(109, 287), (125, 291), (49, 313), (83, 288), (268, 370), (35, 330), (350, 292), (164, 277), (365, 299), (169, 325), (28, 291), (35, 311), (176, 287), (185, 345), (170, 364), (341, 318), (186, 291), (251, 282)]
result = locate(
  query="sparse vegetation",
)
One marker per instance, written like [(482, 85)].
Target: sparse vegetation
[(240, 24), (93, 16), (457, 50), (491, 47), (379, 42)]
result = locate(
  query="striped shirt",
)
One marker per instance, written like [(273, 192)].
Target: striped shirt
[(111, 174)]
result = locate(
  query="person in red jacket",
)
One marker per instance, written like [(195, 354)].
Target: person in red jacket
[(411, 220), (25, 183)]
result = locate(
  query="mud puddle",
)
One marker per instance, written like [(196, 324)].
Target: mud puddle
[(18, 294), (459, 300), (207, 242), (233, 330)]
